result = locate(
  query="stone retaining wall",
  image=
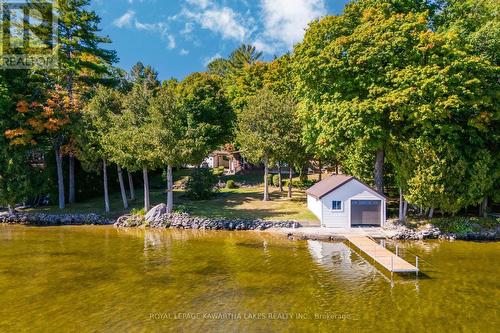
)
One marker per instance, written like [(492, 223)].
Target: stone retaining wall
[(54, 219), (186, 221)]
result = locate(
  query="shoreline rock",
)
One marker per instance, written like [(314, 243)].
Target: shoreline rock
[(431, 232), (186, 221), (42, 219), (158, 218)]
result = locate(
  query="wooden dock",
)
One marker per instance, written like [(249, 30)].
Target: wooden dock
[(382, 256)]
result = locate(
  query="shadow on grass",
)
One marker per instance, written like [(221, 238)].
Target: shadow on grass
[(239, 203), (247, 203)]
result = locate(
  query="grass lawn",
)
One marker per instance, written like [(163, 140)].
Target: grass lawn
[(243, 202), (247, 203)]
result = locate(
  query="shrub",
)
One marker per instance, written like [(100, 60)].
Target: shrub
[(303, 185), (138, 212), (218, 171), (276, 180), (230, 184), (462, 225), (201, 184), (270, 179)]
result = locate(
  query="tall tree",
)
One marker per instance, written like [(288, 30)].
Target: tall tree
[(168, 126), (342, 68), (244, 55), (97, 121), (82, 60), (129, 142), (17, 176), (210, 118), (47, 123), (279, 79), (244, 84), (375, 77), (261, 135)]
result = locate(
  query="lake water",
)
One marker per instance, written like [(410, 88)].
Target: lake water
[(89, 279)]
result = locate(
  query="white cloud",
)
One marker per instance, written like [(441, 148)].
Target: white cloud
[(188, 28), (263, 46), (199, 3), (286, 20), (222, 20), (160, 28), (171, 42), (208, 60), (125, 19), (183, 52)]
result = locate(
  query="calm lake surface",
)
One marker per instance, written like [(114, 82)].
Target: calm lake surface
[(88, 279)]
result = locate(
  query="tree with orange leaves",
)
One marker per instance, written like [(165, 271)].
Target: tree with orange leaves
[(49, 122)]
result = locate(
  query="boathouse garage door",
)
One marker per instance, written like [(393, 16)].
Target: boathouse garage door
[(366, 212)]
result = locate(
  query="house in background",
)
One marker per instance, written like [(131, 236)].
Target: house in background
[(342, 201), (231, 161)]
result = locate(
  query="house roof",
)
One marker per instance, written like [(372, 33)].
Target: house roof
[(332, 183)]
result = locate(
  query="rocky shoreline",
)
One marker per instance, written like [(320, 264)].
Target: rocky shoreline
[(157, 217), (184, 221), (42, 219), (430, 231)]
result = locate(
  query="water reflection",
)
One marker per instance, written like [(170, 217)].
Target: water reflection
[(339, 259), (330, 254), (90, 279)]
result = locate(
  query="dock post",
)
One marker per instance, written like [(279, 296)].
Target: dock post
[(397, 250), (392, 264), (416, 263)]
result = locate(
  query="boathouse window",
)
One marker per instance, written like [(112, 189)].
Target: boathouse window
[(336, 205)]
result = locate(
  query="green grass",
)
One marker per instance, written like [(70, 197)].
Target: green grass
[(243, 202), (247, 203)]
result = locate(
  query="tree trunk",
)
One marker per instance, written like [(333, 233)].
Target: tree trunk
[(170, 190), (431, 212), (105, 178), (483, 208), (336, 169), (379, 171), (266, 172), (303, 173), (122, 187), (131, 186), (290, 178), (60, 176), (405, 209), (320, 171), (401, 213), (71, 179), (279, 177), (146, 188)]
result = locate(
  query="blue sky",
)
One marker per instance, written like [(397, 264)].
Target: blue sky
[(178, 37)]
